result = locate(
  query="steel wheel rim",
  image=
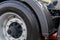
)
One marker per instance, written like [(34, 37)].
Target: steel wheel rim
[(6, 20)]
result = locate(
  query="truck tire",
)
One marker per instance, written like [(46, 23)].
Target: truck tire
[(17, 22), (44, 17)]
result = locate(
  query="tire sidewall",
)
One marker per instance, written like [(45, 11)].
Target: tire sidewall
[(25, 14)]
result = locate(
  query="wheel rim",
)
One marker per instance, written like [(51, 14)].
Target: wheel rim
[(12, 32)]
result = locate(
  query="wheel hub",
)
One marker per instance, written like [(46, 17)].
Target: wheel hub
[(15, 30)]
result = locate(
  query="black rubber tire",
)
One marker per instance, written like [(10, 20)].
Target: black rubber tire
[(26, 14), (58, 32), (44, 17)]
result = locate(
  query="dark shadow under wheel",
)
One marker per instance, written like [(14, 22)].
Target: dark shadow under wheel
[(17, 22)]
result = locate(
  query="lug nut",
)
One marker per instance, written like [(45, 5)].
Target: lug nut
[(9, 31)]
